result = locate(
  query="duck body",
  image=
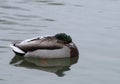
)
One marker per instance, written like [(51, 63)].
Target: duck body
[(46, 47)]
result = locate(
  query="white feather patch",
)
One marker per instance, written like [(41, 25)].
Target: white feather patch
[(16, 49)]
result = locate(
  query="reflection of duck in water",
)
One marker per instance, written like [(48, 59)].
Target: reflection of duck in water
[(51, 53), (55, 65), (58, 46)]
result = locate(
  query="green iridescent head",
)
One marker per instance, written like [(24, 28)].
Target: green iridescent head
[(63, 37)]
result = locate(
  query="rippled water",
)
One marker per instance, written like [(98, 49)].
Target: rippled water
[(94, 26)]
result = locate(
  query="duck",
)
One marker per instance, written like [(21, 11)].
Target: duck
[(59, 45)]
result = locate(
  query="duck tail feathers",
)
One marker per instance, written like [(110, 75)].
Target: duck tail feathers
[(16, 49)]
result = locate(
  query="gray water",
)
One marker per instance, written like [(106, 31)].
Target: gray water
[(94, 26)]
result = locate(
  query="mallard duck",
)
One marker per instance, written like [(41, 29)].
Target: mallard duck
[(57, 46)]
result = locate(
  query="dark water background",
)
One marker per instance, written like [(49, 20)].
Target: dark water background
[(94, 26)]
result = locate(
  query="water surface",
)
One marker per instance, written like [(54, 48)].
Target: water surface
[(94, 26)]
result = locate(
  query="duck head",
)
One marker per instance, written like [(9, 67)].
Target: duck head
[(63, 37)]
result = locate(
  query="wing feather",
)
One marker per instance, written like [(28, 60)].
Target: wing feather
[(38, 44)]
